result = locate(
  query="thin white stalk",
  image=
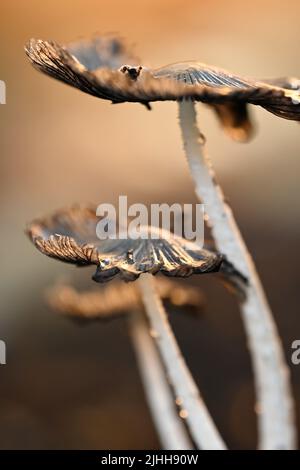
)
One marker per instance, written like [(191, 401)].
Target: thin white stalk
[(276, 423), (193, 409), (170, 427)]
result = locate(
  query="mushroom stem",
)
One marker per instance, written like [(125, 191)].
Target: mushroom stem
[(193, 409), (171, 430), (276, 412)]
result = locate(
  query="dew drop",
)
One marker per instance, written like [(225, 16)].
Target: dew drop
[(153, 333), (183, 414), (178, 401)]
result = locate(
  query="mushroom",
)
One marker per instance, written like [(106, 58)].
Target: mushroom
[(117, 299), (99, 67), (229, 94), (69, 235)]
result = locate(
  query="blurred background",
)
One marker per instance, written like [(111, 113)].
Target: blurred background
[(66, 386)]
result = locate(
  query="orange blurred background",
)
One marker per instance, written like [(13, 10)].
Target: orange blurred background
[(71, 387)]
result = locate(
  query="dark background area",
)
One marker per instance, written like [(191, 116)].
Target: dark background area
[(66, 386)]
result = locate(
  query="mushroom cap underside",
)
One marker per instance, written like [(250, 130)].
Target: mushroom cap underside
[(70, 235)]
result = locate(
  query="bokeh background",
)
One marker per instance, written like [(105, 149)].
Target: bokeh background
[(70, 387)]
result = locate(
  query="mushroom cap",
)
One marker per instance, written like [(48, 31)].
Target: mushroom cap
[(98, 52), (70, 235), (97, 67)]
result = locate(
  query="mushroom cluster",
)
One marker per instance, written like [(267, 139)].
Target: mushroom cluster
[(105, 68)]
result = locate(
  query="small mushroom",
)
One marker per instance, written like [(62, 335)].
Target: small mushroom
[(117, 299), (70, 235), (100, 67)]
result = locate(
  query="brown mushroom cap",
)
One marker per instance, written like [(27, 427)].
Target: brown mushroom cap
[(118, 298), (98, 67), (70, 235)]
